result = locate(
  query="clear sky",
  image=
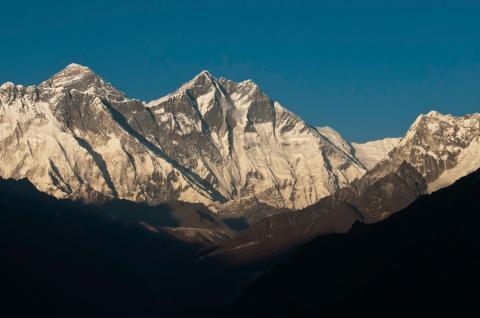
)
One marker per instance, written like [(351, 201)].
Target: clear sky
[(366, 70)]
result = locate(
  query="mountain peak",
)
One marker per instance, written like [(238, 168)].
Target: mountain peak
[(205, 73), (73, 76), (201, 82), (75, 70), (75, 66), (433, 113), (203, 77), (249, 84), (7, 85)]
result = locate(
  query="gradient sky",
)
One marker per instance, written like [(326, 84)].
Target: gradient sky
[(366, 70)]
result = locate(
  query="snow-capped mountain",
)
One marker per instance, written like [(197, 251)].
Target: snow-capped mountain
[(211, 141), (442, 148), (436, 151), (247, 145), (67, 138)]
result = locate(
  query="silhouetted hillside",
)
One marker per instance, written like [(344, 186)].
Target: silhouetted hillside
[(422, 262), (61, 258), (275, 236)]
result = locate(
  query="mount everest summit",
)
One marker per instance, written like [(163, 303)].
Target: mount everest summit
[(212, 141)]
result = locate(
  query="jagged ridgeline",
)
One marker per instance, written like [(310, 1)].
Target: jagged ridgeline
[(213, 141)]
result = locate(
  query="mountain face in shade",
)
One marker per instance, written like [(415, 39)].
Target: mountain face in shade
[(423, 261), (61, 257), (274, 237), (212, 141)]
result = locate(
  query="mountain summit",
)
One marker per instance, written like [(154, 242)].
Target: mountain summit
[(214, 141), (73, 76), (211, 141), (82, 79), (247, 145)]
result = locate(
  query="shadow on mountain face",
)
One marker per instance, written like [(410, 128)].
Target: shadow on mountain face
[(61, 258), (422, 262), (188, 173), (275, 236), (237, 224), (271, 239)]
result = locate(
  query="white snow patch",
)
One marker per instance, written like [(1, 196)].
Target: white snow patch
[(468, 162), (372, 152)]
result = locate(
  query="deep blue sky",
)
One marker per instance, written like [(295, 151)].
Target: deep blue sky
[(367, 70)]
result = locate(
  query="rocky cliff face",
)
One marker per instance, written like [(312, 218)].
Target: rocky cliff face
[(67, 137), (442, 148), (247, 145), (212, 141)]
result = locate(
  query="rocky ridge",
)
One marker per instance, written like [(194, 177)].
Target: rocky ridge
[(212, 141)]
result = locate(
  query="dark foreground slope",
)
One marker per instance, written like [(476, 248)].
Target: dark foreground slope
[(60, 258), (424, 261), (274, 237)]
